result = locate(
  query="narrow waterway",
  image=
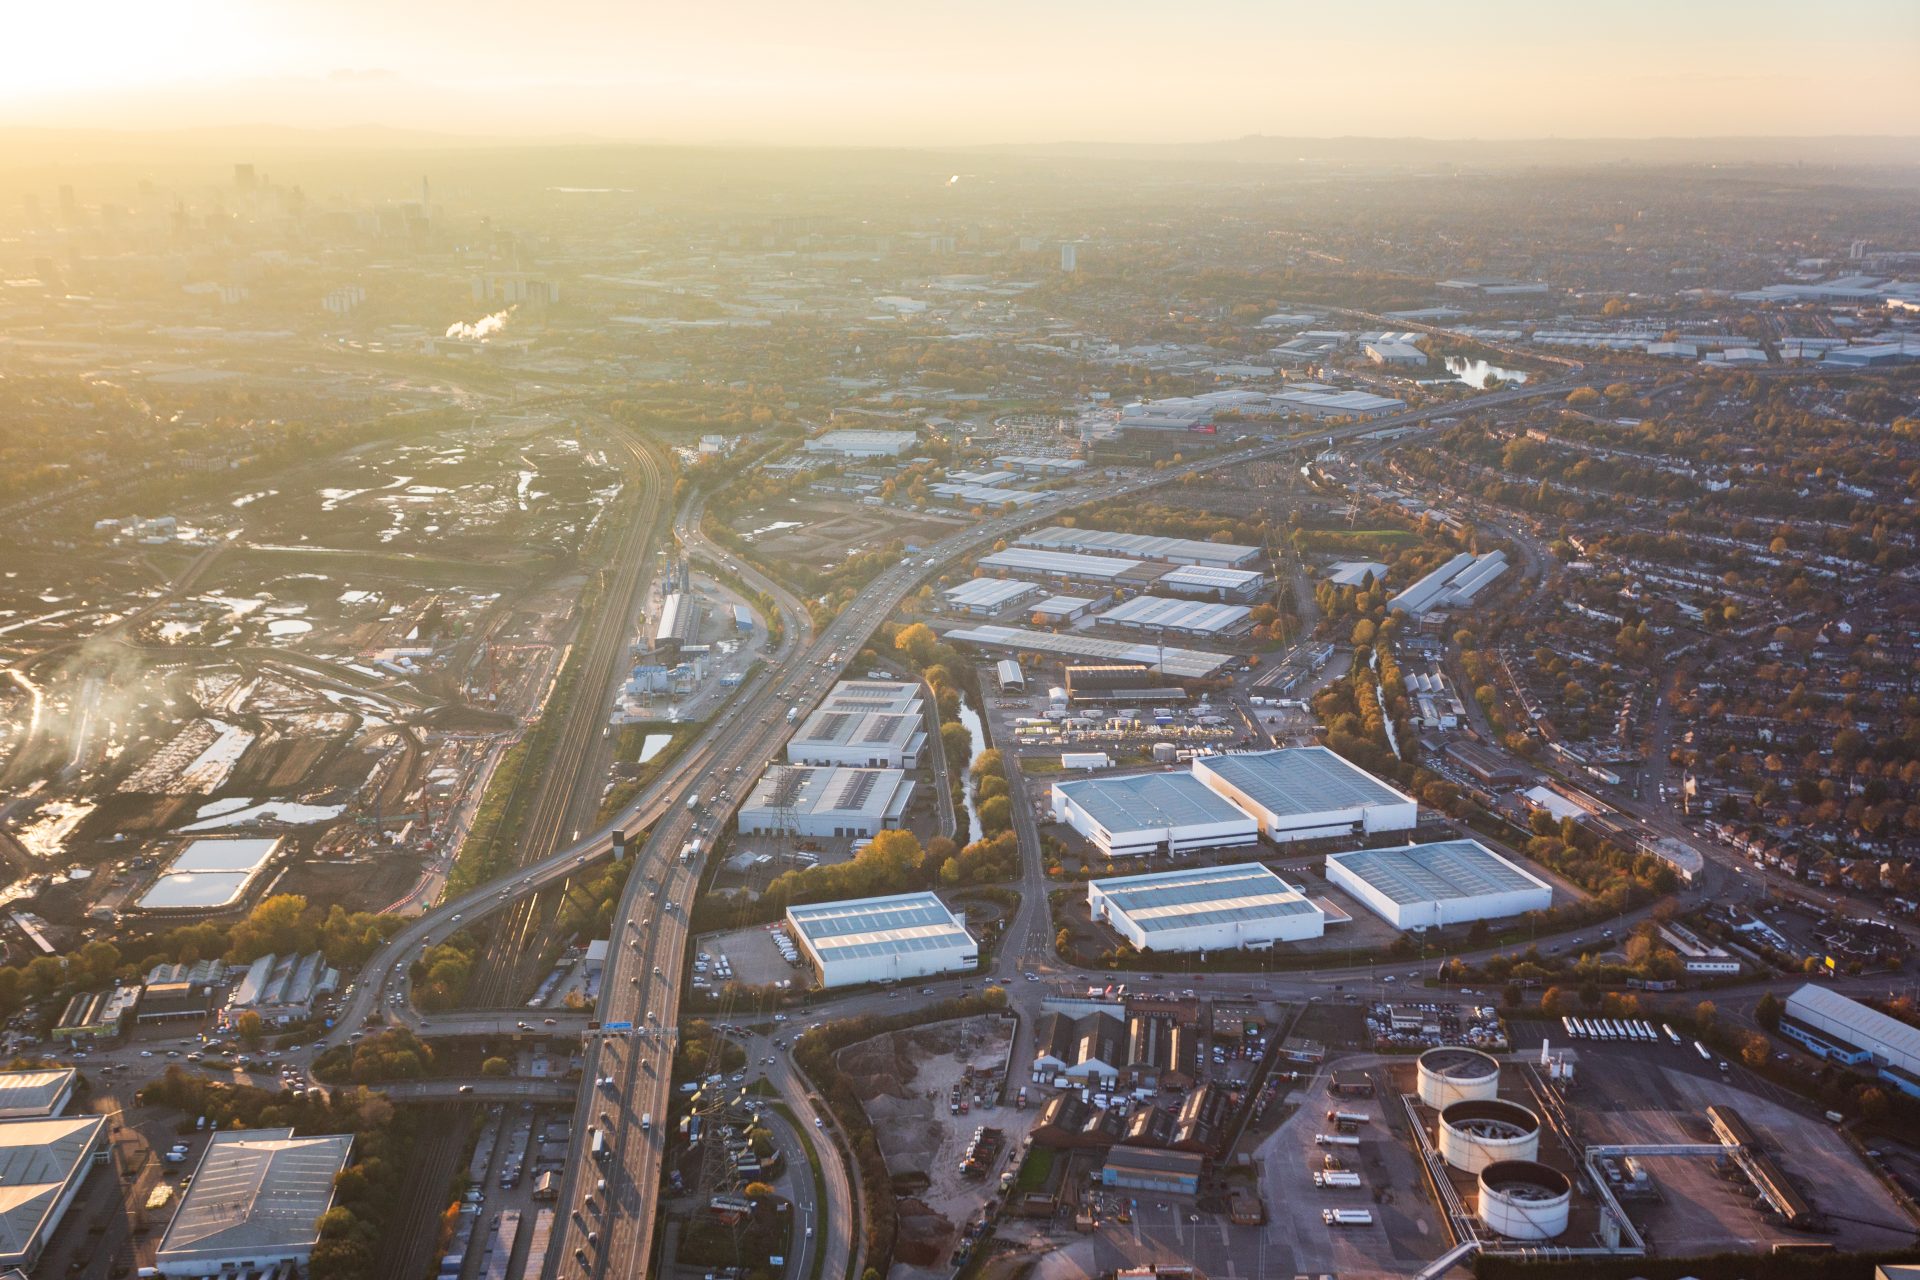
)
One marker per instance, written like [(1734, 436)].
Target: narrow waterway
[(977, 733)]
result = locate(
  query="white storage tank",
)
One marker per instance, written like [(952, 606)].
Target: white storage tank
[(1453, 1074), (1476, 1134), (1524, 1200)]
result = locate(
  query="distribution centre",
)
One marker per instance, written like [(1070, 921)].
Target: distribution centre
[(1307, 793), (1425, 886), (904, 936), (1150, 811), (1205, 909)]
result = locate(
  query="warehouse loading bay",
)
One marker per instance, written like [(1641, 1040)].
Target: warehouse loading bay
[(1631, 1095)]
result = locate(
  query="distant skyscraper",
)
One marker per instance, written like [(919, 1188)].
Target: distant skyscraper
[(243, 176), (1069, 257), (69, 206)]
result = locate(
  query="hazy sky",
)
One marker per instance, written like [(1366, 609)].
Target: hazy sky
[(967, 71)]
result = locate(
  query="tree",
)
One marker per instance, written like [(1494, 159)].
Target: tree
[(1704, 1014), (496, 1067), (1767, 1012), (918, 642), (250, 1029), (1556, 1002), (1477, 933), (1513, 995), (759, 1191)]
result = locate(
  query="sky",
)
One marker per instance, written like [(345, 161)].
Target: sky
[(959, 72)]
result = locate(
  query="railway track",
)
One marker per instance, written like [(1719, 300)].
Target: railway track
[(562, 781)]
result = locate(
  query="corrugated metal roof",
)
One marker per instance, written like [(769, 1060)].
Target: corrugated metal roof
[(1150, 801), (255, 1191), (1885, 1036), (1443, 870), (864, 927), (1209, 895), (1299, 780)]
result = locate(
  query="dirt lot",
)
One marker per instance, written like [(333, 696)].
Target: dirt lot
[(904, 1081), (831, 530)]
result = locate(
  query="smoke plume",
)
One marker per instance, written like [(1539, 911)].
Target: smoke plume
[(480, 330)]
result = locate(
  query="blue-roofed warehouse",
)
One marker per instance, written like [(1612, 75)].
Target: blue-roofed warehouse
[(897, 938), (1151, 811), (1205, 909)]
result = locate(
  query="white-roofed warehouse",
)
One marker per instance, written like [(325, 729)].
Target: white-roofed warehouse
[(1307, 793), (1841, 1028), (1186, 617), (905, 936), (43, 1162), (825, 802), (985, 597), (1149, 811), (1424, 886), (1141, 546), (1205, 909), (255, 1205)]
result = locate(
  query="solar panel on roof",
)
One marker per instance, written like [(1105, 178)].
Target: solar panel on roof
[(882, 728), (856, 788)]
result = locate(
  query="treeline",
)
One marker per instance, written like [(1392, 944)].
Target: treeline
[(367, 1193), (393, 1054), (814, 1054)]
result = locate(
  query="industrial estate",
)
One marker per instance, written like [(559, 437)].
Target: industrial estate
[(1266, 712)]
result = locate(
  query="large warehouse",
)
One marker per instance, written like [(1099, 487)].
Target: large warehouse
[(829, 802), (1182, 617), (985, 597), (1213, 583), (43, 1162), (1066, 566), (1307, 793), (1206, 909), (1426, 886), (1141, 546), (1842, 1029), (841, 733), (255, 1205), (1150, 811), (906, 936), (1170, 660)]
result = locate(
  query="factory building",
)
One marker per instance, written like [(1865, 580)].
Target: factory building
[(1205, 909), (282, 988), (1068, 566), (1182, 617), (859, 443), (1142, 546), (255, 1205), (1312, 400), (1091, 1047), (986, 597), (1057, 611), (1453, 585), (43, 1163), (1842, 1029), (897, 938), (1307, 793), (826, 803), (678, 623), (1212, 583), (1168, 1173), (1149, 812), (1428, 886)]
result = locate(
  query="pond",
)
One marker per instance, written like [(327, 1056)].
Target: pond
[(1478, 373), (653, 745)]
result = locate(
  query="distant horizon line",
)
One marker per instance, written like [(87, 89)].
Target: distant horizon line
[(570, 137)]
